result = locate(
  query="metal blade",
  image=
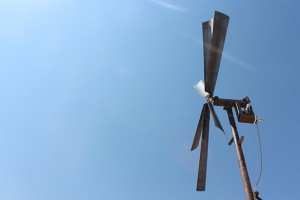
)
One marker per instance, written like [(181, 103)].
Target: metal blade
[(201, 182), (215, 116), (220, 25), (207, 28), (199, 130)]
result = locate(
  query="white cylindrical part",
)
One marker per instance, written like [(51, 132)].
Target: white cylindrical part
[(201, 88)]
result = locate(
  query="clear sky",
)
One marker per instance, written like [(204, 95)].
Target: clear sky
[(97, 100)]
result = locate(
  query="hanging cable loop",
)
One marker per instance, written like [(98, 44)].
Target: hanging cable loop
[(261, 158)]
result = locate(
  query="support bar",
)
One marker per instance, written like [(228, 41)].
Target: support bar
[(240, 155)]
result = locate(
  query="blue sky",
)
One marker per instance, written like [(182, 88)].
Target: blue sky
[(97, 99)]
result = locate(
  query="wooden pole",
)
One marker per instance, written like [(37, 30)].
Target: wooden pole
[(240, 155)]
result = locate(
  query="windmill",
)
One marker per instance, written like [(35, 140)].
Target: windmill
[(214, 34)]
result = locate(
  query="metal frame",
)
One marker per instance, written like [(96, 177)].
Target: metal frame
[(228, 104)]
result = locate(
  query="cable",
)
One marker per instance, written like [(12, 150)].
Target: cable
[(261, 158)]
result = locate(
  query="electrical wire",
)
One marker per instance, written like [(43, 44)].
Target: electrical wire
[(261, 158)]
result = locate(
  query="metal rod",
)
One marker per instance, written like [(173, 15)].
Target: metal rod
[(240, 155)]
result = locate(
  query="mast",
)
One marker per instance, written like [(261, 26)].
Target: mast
[(240, 154)]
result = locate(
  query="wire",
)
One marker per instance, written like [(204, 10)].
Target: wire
[(261, 157)]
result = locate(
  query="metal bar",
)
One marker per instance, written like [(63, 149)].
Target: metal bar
[(232, 102), (201, 183), (240, 155)]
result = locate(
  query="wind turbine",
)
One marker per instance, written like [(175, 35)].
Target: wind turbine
[(214, 34)]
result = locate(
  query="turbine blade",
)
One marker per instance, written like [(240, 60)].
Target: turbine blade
[(201, 182), (199, 130), (215, 116), (207, 28), (211, 71)]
